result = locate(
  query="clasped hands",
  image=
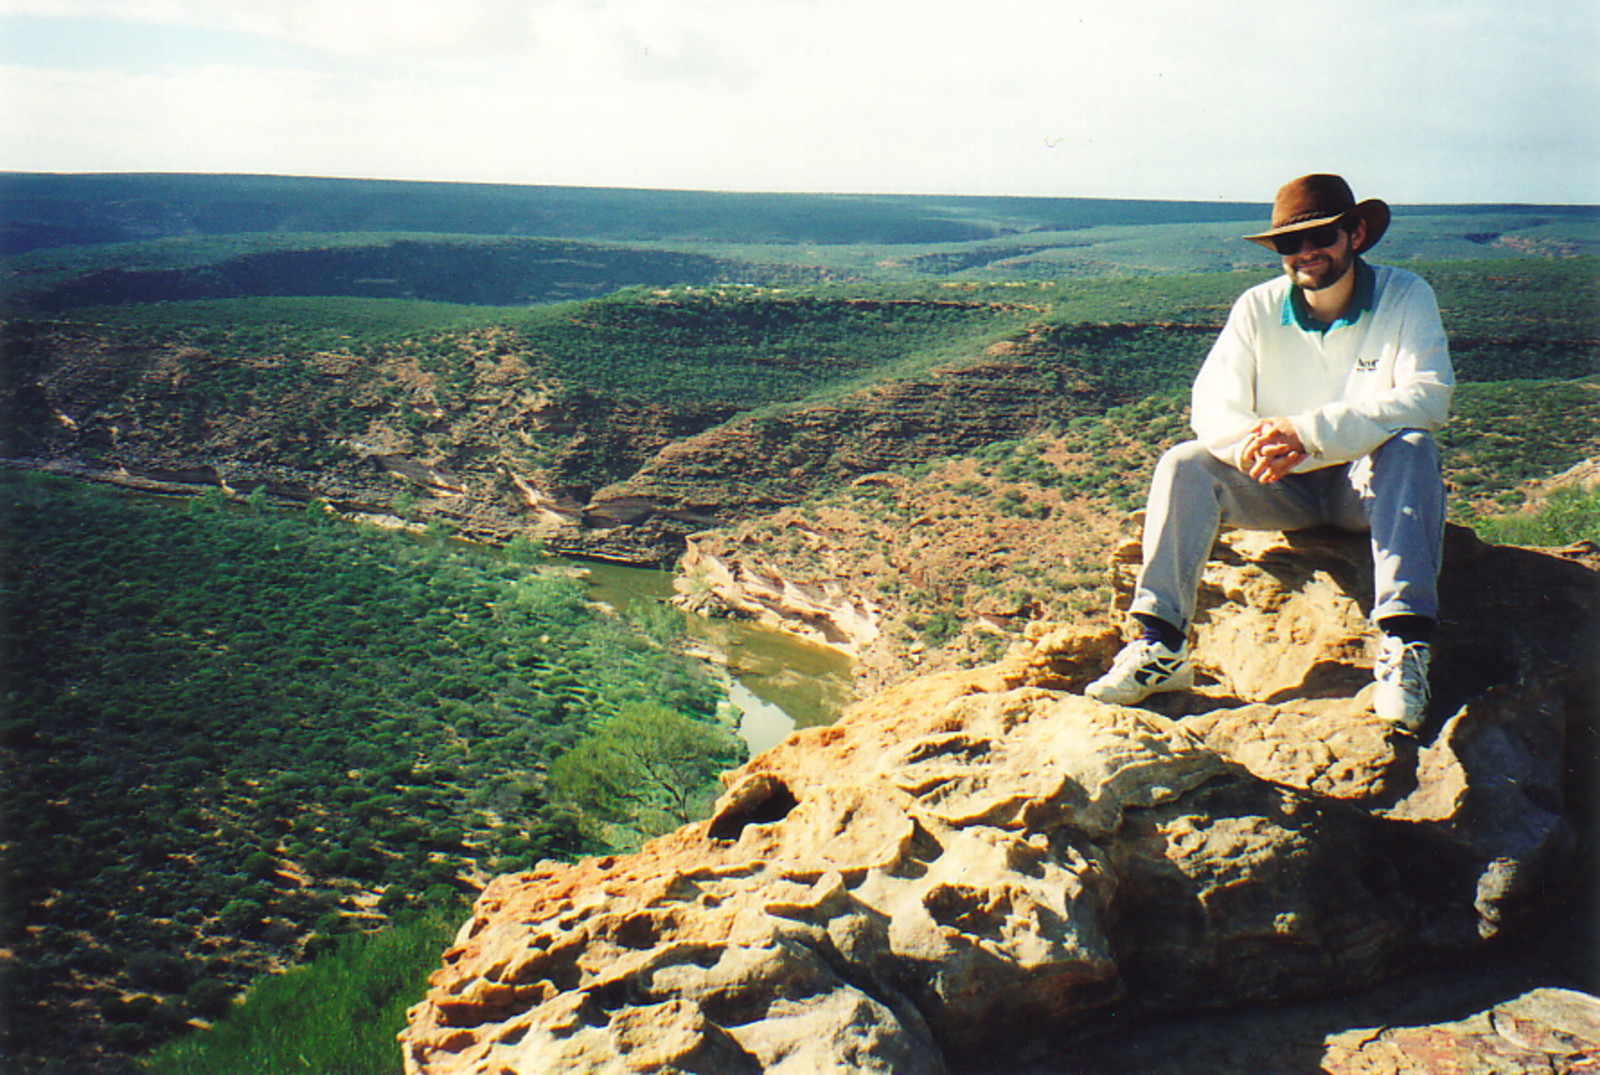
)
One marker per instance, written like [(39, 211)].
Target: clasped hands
[(1271, 450)]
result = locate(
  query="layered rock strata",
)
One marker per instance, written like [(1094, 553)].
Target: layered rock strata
[(974, 871), (826, 613)]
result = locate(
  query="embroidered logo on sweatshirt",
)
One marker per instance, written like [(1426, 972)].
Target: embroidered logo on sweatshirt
[(1366, 365)]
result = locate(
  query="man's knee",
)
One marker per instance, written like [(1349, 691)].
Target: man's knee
[(1189, 457), (1414, 447), (1409, 457)]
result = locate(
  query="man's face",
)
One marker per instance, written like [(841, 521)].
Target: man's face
[(1314, 268)]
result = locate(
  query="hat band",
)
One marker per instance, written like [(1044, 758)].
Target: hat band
[(1311, 220)]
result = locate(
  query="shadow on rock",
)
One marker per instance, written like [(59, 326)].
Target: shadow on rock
[(983, 870)]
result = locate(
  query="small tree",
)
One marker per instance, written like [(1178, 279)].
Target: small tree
[(524, 550), (649, 768)]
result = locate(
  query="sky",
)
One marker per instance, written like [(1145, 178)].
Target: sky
[(1414, 101)]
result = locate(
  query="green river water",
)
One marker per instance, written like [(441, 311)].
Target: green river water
[(776, 681)]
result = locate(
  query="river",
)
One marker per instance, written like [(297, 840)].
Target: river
[(776, 681)]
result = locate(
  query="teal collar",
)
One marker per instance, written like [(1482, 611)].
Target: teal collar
[(1295, 311)]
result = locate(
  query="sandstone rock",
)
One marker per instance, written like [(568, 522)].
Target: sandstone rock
[(826, 614), (1552, 1030), (1425, 1024), (974, 868)]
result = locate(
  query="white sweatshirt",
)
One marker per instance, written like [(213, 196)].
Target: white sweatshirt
[(1383, 368)]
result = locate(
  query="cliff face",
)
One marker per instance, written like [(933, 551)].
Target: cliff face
[(826, 613), (971, 870), (493, 448)]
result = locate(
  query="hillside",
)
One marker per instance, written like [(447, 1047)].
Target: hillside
[(611, 425), (887, 447), (71, 240), (908, 428), (43, 210), (232, 736)]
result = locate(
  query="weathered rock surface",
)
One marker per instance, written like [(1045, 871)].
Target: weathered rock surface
[(825, 613), (977, 871), (1423, 1024)]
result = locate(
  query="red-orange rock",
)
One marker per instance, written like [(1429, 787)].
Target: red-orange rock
[(976, 866)]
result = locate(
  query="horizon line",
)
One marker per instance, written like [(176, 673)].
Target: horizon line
[(737, 192)]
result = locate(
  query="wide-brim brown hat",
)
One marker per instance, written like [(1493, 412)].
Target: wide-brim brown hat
[(1314, 200)]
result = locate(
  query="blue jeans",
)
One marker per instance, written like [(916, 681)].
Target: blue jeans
[(1396, 494)]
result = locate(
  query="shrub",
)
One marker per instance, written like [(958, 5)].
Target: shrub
[(209, 997), (1568, 515), (242, 916), (129, 1010), (261, 866), (939, 628), (649, 768), (161, 971)]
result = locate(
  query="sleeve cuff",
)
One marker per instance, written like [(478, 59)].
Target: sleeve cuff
[(1305, 429)]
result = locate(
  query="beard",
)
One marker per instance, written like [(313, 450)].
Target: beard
[(1321, 269)]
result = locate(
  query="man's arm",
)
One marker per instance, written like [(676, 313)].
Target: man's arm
[(1222, 404), (1414, 393)]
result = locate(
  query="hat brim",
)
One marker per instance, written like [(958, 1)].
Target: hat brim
[(1374, 211)]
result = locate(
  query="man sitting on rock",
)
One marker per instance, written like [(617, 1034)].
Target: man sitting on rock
[(1314, 406)]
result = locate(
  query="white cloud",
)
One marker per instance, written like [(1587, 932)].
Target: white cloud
[(1434, 100)]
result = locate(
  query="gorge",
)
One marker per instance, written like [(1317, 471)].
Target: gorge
[(917, 447)]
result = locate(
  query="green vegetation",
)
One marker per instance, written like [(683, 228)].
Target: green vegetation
[(339, 1013), (459, 269), (1093, 457), (936, 629), (745, 348), (1534, 318), (1568, 515), (736, 347), (1506, 433), (321, 373), (649, 769), (235, 741), (1565, 517), (295, 327), (232, 737), (862, 237), (55, 210)]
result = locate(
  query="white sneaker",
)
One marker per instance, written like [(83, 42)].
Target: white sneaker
[(1143, 668), (1401, 672)]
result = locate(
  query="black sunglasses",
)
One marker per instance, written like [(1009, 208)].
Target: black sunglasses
[(1319, 238)]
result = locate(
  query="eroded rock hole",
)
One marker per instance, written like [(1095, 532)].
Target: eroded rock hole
[(638, 931), (760, 801), (967, 909)]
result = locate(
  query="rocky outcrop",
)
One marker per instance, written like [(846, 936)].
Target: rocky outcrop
[(1423, 1024), (825, 613), (974, 871)]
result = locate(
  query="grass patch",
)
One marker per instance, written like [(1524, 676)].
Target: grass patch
[(1505, 433), (1566, 516), (340, 1014)]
